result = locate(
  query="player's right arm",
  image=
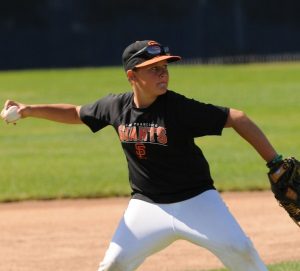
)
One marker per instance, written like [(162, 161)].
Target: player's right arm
[(64, 113)]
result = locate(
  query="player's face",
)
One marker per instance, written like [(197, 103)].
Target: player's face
[(153, 79)]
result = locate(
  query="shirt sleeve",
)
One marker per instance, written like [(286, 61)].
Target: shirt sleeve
[(202, 119), (96, 115)]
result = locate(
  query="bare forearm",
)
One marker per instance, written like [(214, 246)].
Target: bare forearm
[(64, 113), (251, 133)]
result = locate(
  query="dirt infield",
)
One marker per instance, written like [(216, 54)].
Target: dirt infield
[(72, 235)]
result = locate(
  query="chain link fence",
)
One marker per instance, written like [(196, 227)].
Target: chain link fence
[(243, 59)]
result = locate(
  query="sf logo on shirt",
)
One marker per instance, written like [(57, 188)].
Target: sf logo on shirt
[(141, 133), (140, 150)]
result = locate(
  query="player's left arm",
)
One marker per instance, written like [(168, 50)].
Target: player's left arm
[(248, 130), (284, 174)]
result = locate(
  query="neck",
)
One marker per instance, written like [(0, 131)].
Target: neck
[(141, 100)]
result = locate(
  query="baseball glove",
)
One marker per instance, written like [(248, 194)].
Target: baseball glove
[(284, 176)]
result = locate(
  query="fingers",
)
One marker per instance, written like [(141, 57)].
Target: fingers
[(10, 103), (2, 115), (9, 115)]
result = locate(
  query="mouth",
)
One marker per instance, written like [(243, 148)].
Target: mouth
[(163, 84)]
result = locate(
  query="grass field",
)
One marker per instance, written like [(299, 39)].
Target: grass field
[(287, 266), (42, 159)]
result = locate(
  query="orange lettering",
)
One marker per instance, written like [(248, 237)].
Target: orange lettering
[(121, 131), (143, 131), (132, 136), (152, 133), (161, 135)]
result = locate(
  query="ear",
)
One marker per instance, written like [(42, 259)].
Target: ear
[(130, 75)]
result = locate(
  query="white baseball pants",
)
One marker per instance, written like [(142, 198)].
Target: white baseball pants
[(204, 220)]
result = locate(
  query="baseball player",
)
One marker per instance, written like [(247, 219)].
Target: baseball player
[(173, 194)]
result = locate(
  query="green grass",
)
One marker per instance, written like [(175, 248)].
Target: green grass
[(42, 159), (286, 266)]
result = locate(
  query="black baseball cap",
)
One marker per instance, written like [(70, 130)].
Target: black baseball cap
[(144, 53)]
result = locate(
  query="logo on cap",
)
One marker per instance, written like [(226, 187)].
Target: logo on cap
[(152, 42)]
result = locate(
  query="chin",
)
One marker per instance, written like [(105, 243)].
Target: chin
[(162, 91)]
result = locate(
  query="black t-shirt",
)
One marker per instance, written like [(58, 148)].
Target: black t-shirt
[(165, 165)]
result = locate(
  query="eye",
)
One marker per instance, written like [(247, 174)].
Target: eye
[(154, 69)]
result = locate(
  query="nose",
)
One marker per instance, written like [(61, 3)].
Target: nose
[(163, 72)]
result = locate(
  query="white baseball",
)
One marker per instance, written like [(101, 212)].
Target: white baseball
[(11, 114)]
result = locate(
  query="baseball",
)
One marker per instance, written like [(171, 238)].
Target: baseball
[(10, 114)]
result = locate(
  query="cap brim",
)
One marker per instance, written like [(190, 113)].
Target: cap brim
[(158, 59)]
